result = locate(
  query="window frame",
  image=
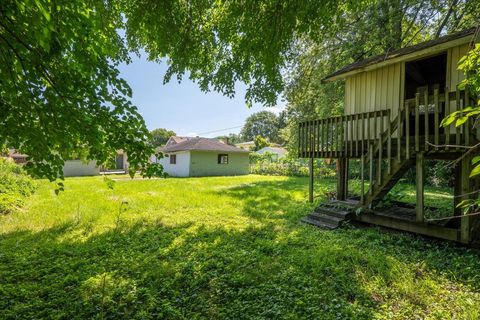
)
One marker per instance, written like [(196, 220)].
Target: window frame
[(220, 158), (173, 158)]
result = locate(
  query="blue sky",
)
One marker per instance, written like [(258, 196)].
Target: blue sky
[(183, 107)]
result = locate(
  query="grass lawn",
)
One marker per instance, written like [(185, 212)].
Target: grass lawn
[(228, 247)]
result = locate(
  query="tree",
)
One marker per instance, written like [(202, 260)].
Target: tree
[(231, 137), (263, 123), (260, 143), (160, 136), (61, 96)]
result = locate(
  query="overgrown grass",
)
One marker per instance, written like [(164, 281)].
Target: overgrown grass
[(227, 247)]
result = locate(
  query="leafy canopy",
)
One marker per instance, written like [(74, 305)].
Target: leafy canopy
[(260, 143), (160, 136), (264, 123), (61, 96)]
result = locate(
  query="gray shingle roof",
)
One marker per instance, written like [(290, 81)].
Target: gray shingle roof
[(202, 144)]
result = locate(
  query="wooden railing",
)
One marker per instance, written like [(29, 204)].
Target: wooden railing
[(342, 136), (417, 128)]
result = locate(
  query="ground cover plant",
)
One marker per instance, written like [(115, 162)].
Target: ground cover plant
[(226, 247)]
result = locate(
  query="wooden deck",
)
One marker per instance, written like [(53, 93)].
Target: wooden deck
[(388, 147), (399, 216)]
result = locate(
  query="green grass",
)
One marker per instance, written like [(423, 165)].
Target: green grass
[(227, 247)]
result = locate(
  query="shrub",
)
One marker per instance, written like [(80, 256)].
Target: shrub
[(291, 167), (15, 186)]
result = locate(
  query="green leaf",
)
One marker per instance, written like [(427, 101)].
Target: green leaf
[(475, 171), (461, 121)]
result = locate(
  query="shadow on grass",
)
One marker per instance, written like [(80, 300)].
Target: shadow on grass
[(268, 200), (183, 271), (278, 269)]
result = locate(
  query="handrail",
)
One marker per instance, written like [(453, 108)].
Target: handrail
[(425, 138), (335, 136)]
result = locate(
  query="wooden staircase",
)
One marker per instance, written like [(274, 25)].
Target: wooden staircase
[(388, 180), (385, 169), (330, 215)]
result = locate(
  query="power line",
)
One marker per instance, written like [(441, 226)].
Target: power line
[(219, 130)]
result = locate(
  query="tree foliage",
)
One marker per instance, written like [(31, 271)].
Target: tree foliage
[(221, 42), (232, 138), (264, 124), (61, 96), (260, 143), (470, 64), (160, 136)]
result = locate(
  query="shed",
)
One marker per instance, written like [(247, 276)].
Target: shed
[(194, 157)]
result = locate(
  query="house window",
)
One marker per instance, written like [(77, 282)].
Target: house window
[(173, 159), (222, 158)]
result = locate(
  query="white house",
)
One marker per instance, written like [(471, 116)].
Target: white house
[(278, 152), (203, 157)]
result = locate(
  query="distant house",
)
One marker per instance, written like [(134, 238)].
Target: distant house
[(193, 157), (278, 152), (16, 156), (248, 145), (77, 167), (176, 139), (119, 165)]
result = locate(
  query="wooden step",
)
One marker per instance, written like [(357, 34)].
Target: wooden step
[(321, 224), (326, 218), (333, 212), (329, 215)]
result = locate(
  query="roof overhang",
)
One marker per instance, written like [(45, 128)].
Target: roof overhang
[(415, 52)]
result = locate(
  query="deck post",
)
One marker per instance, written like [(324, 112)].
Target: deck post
[(310, 179), (420, 172), (465, 182), (342, 178)]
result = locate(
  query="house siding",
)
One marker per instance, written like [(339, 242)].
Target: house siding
[(182, 166), (383, 87), (204, 163), (76, 168)]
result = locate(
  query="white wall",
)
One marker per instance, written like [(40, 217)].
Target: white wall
[(75, 168), (181, 168)]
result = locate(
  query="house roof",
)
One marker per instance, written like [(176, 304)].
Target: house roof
[(403, 52), (273, 149), (202, 144), (13, 153), (178, 139)]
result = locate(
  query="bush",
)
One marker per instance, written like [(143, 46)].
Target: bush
[(15, 186), (290, 167)]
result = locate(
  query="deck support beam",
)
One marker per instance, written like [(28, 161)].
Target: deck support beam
[(420, 172), (465, 190), (310, 179), (342, 178)]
